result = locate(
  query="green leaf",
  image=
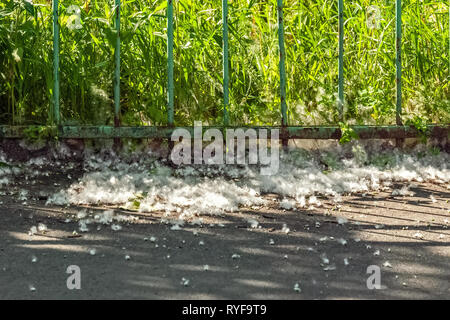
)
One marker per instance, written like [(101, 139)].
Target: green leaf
[(347, 133), (29, 7)]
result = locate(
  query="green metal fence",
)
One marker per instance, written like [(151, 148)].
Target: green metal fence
[(398, 131)]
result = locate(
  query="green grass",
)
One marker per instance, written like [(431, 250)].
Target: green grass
[(87, 62)]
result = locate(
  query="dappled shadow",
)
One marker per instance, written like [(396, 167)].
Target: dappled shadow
[(270, 260)]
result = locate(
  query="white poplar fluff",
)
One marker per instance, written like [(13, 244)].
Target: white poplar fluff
[(147, 185)]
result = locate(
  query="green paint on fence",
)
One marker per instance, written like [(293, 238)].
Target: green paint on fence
[(226, 77), (282, 49), (341, 60), (170, 84), (292, 132), (55, 115), (398, 46), (117, 67)]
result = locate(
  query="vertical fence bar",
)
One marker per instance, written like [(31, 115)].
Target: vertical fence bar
[(170, 96), (117, 68), (398, 46), (117, 74), (341, 60), (282, 63), (55, 107), (284, 122), (226, 77)]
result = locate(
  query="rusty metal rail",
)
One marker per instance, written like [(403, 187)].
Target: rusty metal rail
[(290, 132)]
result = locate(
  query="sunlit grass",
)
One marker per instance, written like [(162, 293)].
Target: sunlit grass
[(312, 54)]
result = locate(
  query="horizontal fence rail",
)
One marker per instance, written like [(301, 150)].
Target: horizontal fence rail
[(287, 132)]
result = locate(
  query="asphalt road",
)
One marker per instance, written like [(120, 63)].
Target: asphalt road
[(406, 237)]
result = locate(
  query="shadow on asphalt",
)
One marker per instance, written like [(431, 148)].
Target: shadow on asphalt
[(420, 267)]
